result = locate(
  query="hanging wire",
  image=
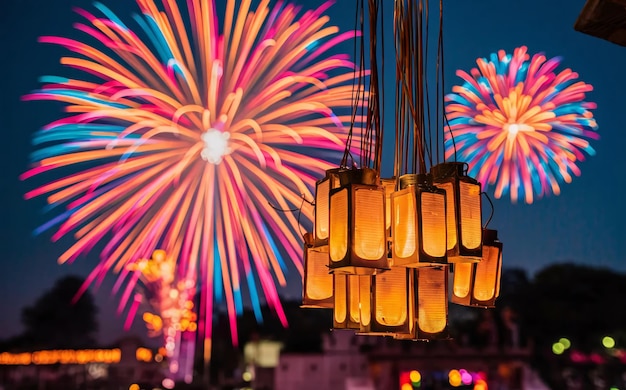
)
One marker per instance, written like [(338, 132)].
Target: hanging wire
[(312, 203), (373, 129), (439, 85), (443, 87), (379, 142), (492, 209), (366, 104), (375, 96), (419, 97), (410, 121), (299, 210), (427, 92), (360, 107), (399, 136), (356, 88)]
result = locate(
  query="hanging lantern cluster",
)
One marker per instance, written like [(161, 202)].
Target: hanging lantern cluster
[(398, 285), (382, 250)]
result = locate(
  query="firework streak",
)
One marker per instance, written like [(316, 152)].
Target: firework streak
[(183, 135)]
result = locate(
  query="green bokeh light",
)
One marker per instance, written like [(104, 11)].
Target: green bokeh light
[(608, 342), (566, 343), (558, 348)]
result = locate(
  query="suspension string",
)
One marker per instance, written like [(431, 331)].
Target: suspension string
[(427, 92), (361, 105), (397, 169), (439, 73), (380, 139), (356, 88)]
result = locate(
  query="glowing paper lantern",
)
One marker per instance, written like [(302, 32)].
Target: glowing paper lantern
[(322, 205), (430, 297), (418, 232), (392, 302), (349, 300), (478, 284), (432, 301), (464, 212), (357, 240), (317, 284)]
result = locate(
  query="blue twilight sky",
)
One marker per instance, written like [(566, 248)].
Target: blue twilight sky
[(585, 224)]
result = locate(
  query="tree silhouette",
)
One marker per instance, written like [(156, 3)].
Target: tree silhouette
[(576, 301), (57, 320)]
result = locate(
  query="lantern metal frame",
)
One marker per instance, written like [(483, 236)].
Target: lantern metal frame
[(389, 185)]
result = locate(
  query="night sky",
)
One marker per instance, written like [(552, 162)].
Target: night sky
[(583, 225)]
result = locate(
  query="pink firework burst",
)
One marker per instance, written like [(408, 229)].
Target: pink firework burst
[(188, 139), (519, 124)]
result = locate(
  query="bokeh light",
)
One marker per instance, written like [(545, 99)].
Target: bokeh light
[(466, 377), (415, 376), (608, 342), (480, 385), (454, 377), (168, 383), (558, 348), (565, 342)]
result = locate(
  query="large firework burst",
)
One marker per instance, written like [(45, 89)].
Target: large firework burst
[(520, 125), (182, 138)]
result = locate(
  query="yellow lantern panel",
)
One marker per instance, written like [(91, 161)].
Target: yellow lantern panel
[(470, 215), (432, 303), (353, 298), (391, 297), (319, 284), (338, 241), (487, 274), (405, 224), (450, 213), (462, 279), (365, 289), (340, 311), (321, 210), (369, 224), (434, 224)]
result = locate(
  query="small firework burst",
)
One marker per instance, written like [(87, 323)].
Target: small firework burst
[(520, 125)]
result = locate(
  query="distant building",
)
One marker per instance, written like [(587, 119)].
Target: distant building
[(127, 362), (340, 366), (351, 362)]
